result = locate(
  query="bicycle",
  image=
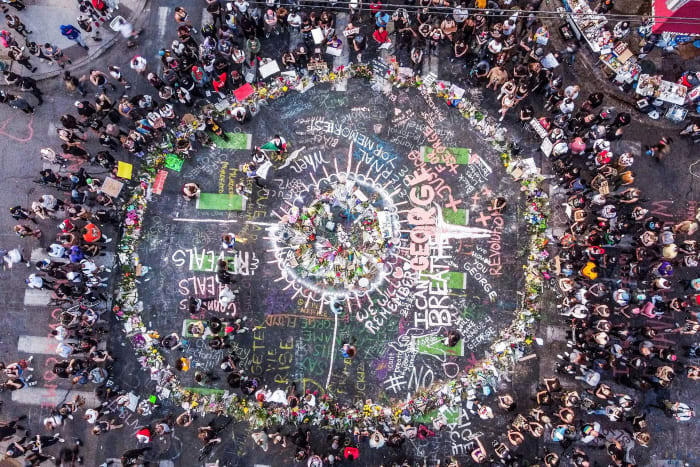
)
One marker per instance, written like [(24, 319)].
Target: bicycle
[(50, 156), (62, 185)]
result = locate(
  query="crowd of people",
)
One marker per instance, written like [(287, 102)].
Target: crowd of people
[(623, 272)]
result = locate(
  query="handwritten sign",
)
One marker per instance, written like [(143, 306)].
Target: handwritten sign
[(539, 129), (269, 69), (547, 147), (334, 51), (350, 32), (159, 182), (317, 35), (124, 170), (111, 187), (316, 66)]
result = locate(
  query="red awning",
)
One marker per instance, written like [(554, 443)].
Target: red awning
[(673, 23)]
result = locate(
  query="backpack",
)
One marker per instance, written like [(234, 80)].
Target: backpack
[(98, 4)]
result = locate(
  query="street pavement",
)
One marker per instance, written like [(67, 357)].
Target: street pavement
[(25, 317)]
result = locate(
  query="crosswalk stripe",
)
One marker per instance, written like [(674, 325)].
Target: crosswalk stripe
[(37, 297), (341, 21), (434, 65), (206, 18), (163, 13), (37, 345), (52, 396), (45, 345)]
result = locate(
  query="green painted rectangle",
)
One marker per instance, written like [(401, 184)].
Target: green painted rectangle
[(235, 140), (434, 345), (455, 280), (173, 162), (462, 155), (207, 263), (460, 217), (452, 415), (220, 202)]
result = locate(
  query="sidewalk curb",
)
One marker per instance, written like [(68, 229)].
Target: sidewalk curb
[(136, 19)]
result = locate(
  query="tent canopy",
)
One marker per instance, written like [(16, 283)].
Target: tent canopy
[(691, 9)]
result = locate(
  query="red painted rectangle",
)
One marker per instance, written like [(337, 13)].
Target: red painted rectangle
[(159, 182)]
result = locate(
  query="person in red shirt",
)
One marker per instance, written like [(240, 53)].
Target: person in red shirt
[(219, 83), (374, 7), (381, 36), (92, 234)]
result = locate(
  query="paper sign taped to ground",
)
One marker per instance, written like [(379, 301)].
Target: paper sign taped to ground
[(111, 187), (159, 182), (269, 69), (124, 170)]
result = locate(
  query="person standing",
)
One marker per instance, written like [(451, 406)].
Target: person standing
[(18, 56), (56, 55), (72, 83), (19, 103), (27, 84), (35, 50), (71, 32), (99, 80)]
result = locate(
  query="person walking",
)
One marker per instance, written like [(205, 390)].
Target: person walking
[(19, 213), (13, 22), (6, 39), (71, 32), (72, 83), (138, 64), (13, 257), (116, 73)]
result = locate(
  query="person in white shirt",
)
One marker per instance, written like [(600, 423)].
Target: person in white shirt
[(36, 282), (241, 6), (13, 257), (60, 333), (294, 20), (460, 13), (56, 251)]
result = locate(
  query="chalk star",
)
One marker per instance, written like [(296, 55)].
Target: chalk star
[(483, 219)]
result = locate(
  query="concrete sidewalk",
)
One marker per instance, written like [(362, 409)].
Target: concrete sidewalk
[(44, 18)]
